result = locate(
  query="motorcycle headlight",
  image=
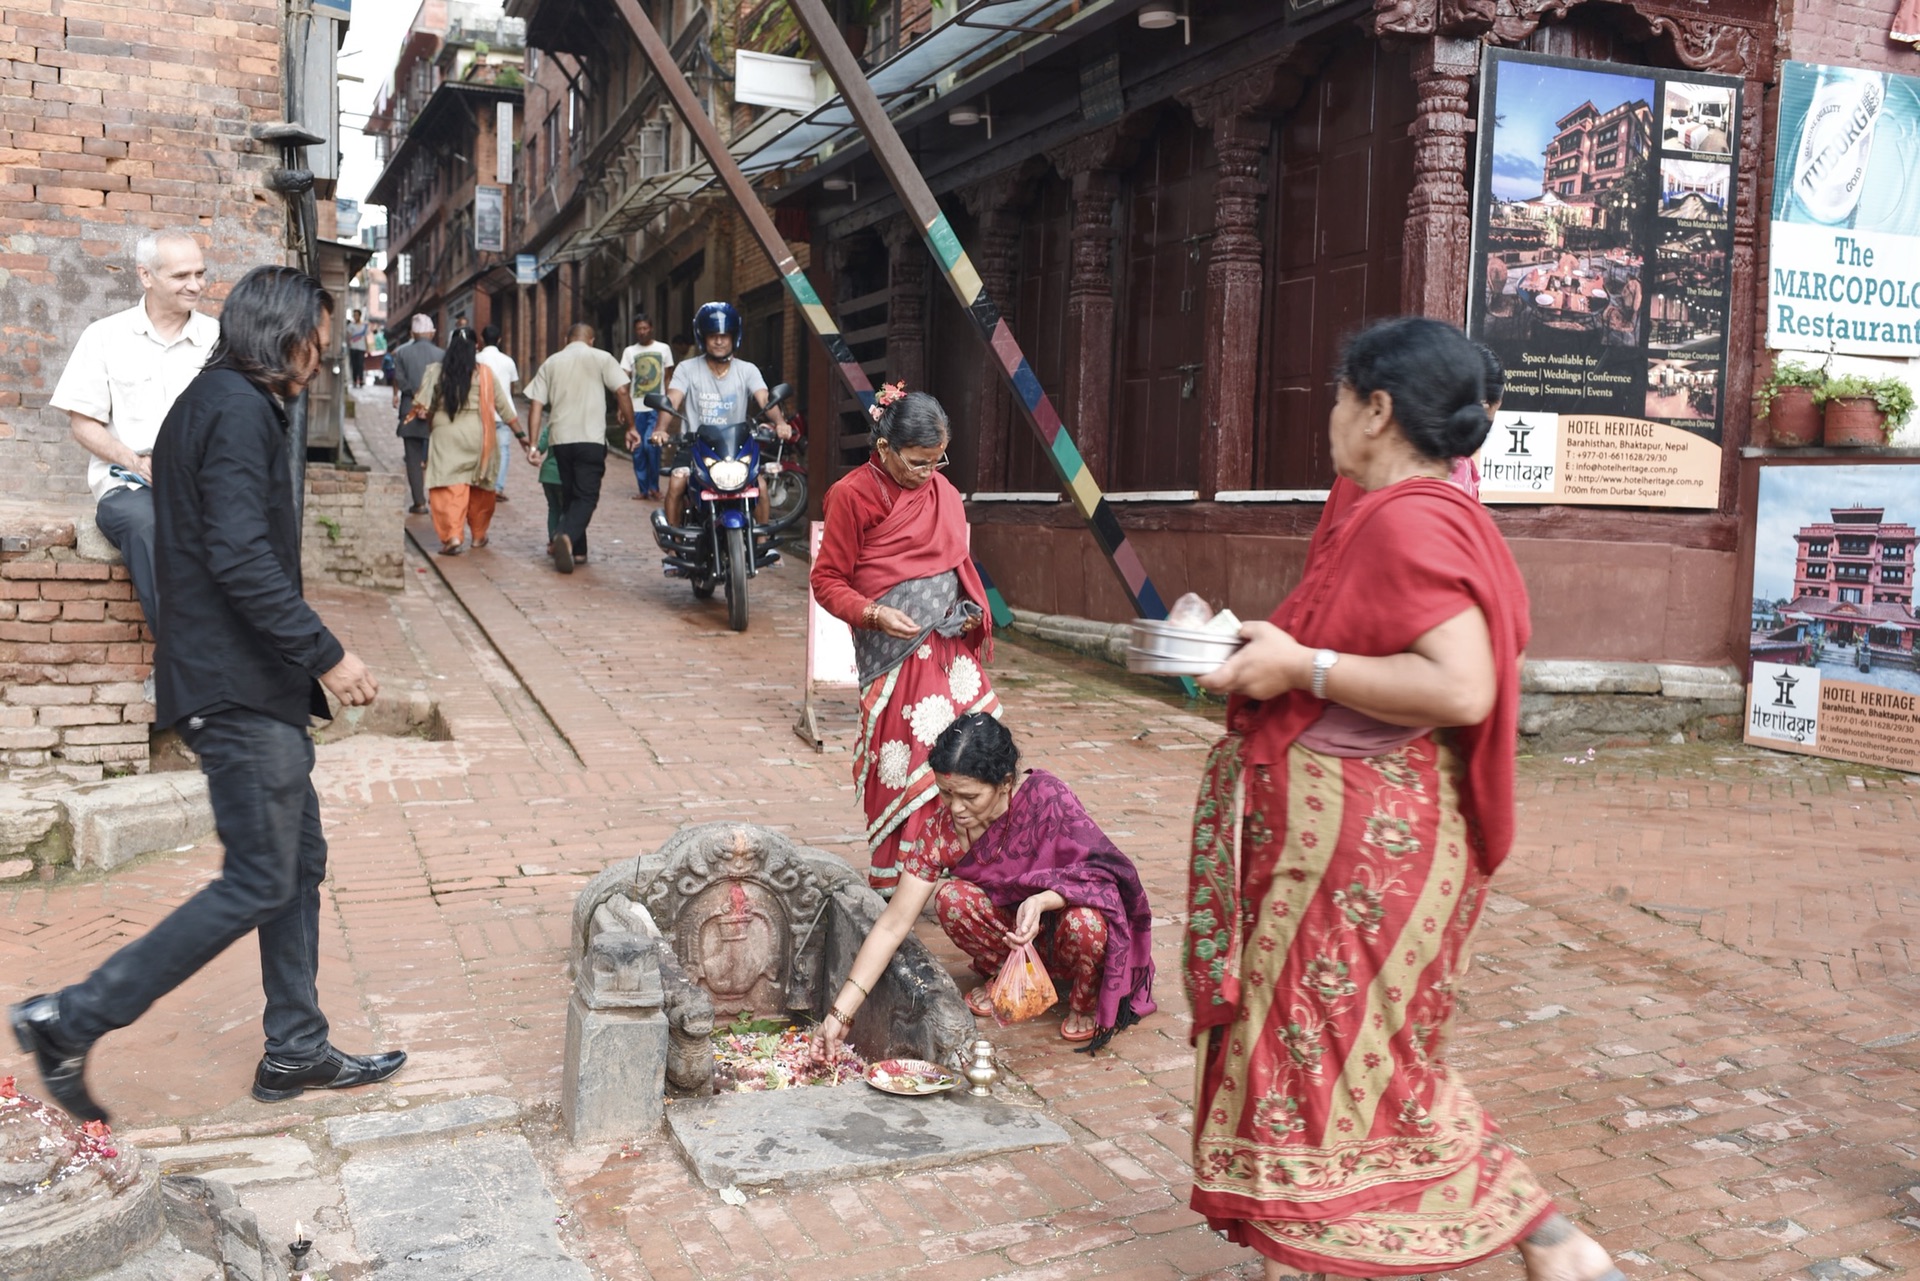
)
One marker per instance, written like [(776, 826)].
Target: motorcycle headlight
[(730, 473)]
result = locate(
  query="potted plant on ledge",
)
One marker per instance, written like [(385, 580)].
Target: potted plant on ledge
[(1865, 411), (1790, 401)]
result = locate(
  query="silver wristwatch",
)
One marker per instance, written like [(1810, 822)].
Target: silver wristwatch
[(1323, 661)]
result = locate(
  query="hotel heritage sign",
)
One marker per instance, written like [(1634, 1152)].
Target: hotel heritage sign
[(1603, 235), (1833, 641)]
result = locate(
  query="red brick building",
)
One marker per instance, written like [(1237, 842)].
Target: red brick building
[(1595, 151), (1857, 558), (117, 118)]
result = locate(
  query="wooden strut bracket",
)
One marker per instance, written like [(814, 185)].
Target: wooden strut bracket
[(964, 279)]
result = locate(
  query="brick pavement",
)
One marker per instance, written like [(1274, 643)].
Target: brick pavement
[(1708, 1090)]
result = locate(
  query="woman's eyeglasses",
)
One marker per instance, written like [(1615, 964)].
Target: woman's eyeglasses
[(920, 469)]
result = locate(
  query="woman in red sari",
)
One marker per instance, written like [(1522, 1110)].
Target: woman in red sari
[(894, 566), (1346, 828)]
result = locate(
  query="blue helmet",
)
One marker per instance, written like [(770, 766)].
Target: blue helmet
[(716, 318)]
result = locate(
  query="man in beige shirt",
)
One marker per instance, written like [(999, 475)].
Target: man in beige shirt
[(123, 377), (571, 390)]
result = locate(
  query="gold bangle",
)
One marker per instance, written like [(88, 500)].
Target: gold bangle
[(856, 984), (846, 1020)]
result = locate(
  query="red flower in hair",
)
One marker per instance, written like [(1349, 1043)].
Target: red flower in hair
[(888, 393)]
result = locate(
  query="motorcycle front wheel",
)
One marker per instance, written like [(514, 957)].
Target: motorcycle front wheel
[(738, 567)]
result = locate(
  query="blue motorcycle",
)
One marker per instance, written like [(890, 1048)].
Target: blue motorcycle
[(721, 545)]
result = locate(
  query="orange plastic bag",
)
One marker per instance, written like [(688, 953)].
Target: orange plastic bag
[(1023, 989)]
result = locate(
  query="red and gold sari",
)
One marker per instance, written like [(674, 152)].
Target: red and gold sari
[(906, 548), (1332, 895)]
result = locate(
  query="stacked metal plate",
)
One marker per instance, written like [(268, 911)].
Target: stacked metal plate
[(1160, 649)]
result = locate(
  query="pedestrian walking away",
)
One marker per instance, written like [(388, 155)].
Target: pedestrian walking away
[(459, 397), (1346, 829), (571, 391), (1009, 861), (645, 362), (357, 348), (894, 566), (240, 669), (123, 376), (503, 432), (410, 361)]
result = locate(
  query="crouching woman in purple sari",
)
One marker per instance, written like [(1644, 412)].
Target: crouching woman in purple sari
[(1009, 860)]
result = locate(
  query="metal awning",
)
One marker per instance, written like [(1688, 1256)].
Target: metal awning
[(438, 111), (980, 37)]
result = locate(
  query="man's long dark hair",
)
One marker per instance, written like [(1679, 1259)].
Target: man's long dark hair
[(267, 323), (456, 372)]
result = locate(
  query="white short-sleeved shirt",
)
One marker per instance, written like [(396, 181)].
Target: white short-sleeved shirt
[(646, 367), (506, 373), (121, 373)]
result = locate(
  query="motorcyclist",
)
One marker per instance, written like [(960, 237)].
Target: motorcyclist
[(717, 389)]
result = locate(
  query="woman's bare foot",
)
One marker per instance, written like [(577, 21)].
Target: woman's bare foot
[(980, 1002), (1079, 1027), (1558, 1251)]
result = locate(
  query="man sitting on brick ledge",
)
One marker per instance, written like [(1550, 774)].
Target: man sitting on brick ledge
[(124, 374)]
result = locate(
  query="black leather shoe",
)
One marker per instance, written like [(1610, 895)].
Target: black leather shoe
[(562, 551), (63, 1068), (275, 1081)]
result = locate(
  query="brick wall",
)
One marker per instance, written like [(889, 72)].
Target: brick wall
[(1848, 33), (355, 528), (73, 652), (117, 119)]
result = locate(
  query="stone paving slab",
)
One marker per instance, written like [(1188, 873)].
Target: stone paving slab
[(239, 1161), (455, 1211), (816, 1133), (433, 1120)]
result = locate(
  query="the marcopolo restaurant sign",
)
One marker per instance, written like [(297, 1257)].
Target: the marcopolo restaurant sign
[(1603, 234), (1845, 261)]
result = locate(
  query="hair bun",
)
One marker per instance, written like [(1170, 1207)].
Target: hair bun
[(1467, 429)]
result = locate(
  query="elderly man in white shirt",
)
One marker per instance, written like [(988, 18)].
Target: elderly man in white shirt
[(121, 380)]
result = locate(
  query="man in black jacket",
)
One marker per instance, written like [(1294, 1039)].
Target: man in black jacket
[(239, 670)]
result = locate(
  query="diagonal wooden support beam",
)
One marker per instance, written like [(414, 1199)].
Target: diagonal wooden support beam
[(687, 103), (895, 161)]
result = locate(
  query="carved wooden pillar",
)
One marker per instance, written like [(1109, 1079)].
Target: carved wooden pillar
[(906, 305), (996, 256), (1235, 111), (1439, 231), (1092, 165)]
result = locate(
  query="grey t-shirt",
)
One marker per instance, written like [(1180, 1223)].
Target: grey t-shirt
[(728, 399)]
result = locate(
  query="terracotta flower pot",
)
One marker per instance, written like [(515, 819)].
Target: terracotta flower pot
[(1852, 421), (1793, 419)]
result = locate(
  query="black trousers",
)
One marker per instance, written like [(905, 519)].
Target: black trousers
[(416, 454), (125, 516), (582, 468), (268, 818)]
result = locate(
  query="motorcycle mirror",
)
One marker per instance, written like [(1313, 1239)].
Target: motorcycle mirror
[(779, 392), (657, 402)]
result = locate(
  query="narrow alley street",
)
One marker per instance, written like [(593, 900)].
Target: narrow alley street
[(1690, 1007)]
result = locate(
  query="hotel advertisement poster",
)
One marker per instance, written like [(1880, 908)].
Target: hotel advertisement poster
[(1833, 641), (1845, 235), (1603, 242)]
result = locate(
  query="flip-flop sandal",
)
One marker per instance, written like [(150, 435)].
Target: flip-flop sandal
[(1088, 1035), (453, 550), (478, 543), (980, 1002)]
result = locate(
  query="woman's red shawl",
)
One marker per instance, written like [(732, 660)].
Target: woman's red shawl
[(1384, 568)]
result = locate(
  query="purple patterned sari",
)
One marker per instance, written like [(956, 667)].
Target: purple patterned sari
[(1046, 841)]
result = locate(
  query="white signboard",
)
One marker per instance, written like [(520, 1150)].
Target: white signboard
[(770, 81), (829, 641), (1783, 704), (503, 143)]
